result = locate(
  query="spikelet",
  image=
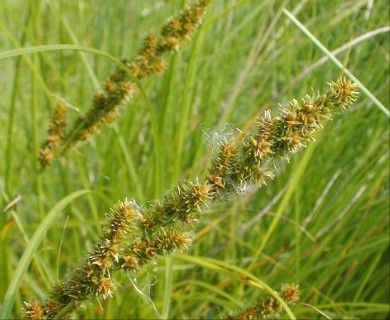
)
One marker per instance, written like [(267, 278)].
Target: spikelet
[(222, 165), (34, 311), (146, 249), (182, 204), (169, 241), (268, 307), (342, 93), (56, 133)]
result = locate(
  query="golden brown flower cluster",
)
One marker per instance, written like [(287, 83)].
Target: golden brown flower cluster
[(119, 87), (117, 91), (269, 306), (250, 159), (134, 236), (173, 34), (56, 132), (94, 276)]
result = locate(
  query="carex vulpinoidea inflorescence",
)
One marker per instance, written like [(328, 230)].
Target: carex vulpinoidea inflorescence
[(119, 87), (135, 235)]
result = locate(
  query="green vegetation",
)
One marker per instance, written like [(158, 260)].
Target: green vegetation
[(322, 223)]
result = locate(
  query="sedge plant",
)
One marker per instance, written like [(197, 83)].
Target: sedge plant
[(136, 234)]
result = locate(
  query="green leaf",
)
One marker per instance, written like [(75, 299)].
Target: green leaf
[(31, 250)]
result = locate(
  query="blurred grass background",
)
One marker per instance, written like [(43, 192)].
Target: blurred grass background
[(322, 223)]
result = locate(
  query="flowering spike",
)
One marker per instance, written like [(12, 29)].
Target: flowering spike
[(279, 136), (118, 88), (133, 237)]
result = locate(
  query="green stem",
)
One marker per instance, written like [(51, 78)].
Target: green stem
[(167, 288), (337, 62)]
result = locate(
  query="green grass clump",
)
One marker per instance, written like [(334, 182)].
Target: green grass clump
[(321, 223)]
